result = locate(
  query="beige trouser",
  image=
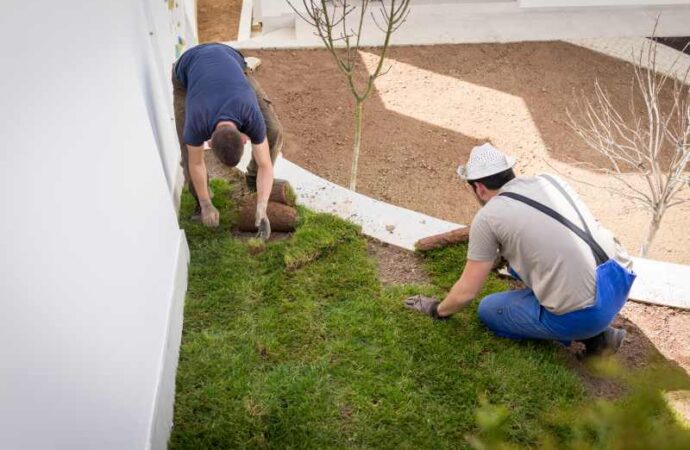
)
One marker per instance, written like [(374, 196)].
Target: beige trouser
[(274, 130)]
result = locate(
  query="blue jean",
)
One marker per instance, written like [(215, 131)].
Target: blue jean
[(518, 314)]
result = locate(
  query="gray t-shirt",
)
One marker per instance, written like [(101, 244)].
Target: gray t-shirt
[(551, 260)]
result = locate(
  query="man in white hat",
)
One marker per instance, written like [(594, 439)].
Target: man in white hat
[(577, 275)]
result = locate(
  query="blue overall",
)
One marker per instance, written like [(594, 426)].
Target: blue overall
[(519, 315)]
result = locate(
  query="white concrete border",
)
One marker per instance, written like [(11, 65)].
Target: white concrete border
[(451, 22), (596, 3), (661, 283), (669, 61), (388, 223), (244, 31)]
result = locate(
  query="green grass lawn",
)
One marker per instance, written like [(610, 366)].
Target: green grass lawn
[(301, 347)]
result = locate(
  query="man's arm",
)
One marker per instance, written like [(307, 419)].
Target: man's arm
[(198, 174), (264, 184), (462, 293), (466, 288)]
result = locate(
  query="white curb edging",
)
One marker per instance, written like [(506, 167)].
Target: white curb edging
[(387, 223), (661, 283), (244, 32), (481, 21), (669, 61)]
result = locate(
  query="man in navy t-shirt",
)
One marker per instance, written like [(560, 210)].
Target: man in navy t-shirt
[(217, 99)]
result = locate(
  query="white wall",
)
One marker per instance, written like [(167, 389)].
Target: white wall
[(171, 28), (581, 3), (93, 263), (467, 21)]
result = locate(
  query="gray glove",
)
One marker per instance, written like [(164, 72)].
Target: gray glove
[(427, 305), (262, 222), (209, 214)]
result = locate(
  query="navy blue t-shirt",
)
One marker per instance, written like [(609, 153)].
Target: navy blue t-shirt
[(217, 90)]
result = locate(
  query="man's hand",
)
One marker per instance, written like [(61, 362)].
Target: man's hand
[(262, 222), (209, 213), (264, 183), (427, 305)]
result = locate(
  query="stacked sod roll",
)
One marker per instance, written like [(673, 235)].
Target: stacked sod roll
[(280, 210)]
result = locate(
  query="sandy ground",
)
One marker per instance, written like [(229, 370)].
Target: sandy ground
[(395, 265), (218, 20), (436, 102), (667, 328)]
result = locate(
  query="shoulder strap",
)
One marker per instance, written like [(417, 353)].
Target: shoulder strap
[(551, 180), (599, 254)]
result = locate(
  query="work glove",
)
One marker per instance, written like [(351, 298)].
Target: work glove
[(427, 305), (209, 214), (262, 222)]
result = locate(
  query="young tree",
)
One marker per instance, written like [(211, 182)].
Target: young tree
[(333, 24), (654, 143)]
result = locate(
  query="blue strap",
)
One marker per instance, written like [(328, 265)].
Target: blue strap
[(599, 254)]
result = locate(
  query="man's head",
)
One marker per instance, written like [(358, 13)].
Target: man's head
[(487, 170), (227, 144)]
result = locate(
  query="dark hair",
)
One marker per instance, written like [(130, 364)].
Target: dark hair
[(226, 143), (495, 181)]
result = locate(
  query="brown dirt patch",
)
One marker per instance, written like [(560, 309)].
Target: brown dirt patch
[(667, 328), (396, 265), (218, 20), (316, 109), (424, 116)]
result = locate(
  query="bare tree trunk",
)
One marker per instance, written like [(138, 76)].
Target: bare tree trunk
[(329, 19), (651, 232), (635, 141), (359, 110)]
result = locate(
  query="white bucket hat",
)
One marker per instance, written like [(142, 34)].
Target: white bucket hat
[(485, 160)]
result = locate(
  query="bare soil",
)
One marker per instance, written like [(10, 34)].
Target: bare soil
[(648, 339), (667, 328), (218, 20), (436, 103), (396, 265)]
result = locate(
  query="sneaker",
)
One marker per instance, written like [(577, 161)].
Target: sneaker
[(252, 62), (606, 343)]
